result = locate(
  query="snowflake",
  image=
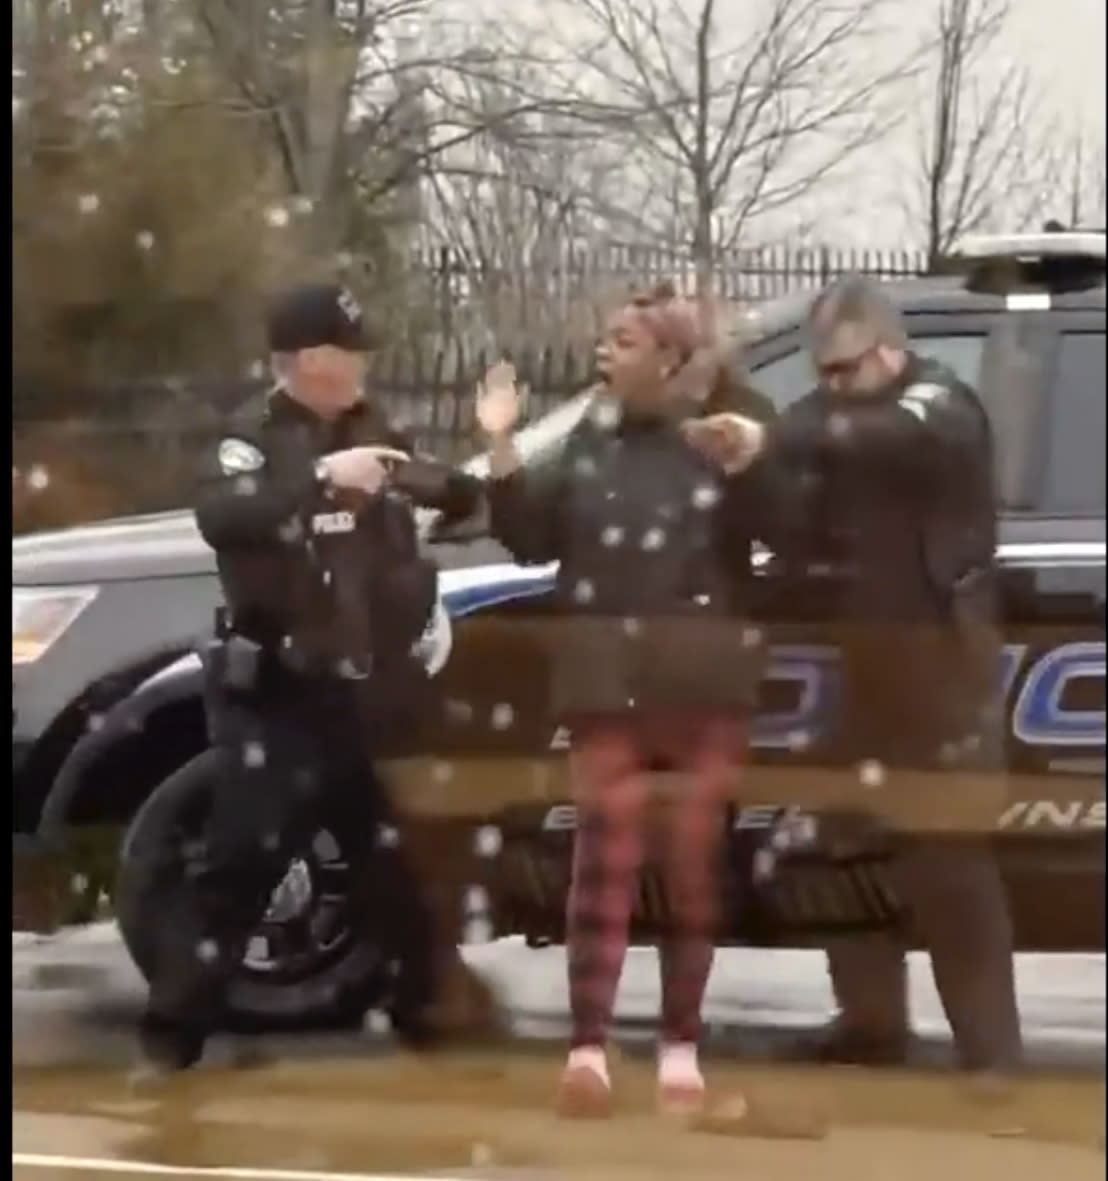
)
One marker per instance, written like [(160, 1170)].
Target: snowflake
[(253, 754), (838, 425), (207, 951), (606, 414), (488, 841), (502, 716), (871, 773), (705, 496)]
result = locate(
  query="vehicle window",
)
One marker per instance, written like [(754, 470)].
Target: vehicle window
[(1075, 452), (790, 377), (784, 380)]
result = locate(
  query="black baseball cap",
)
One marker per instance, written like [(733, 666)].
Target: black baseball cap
[(315, 314)]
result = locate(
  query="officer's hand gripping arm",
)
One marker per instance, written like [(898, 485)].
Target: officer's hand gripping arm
[(432, 484)]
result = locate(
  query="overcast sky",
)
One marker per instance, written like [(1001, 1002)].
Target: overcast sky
[(1062, 43)]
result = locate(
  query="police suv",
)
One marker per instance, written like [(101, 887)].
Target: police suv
[(108, 729)]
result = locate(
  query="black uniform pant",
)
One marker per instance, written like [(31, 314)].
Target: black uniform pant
[(959, 913), (285, 762)]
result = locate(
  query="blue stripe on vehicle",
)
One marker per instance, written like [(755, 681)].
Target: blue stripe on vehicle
[(466, 600)]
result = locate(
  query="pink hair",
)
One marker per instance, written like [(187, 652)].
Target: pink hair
[(674, 322)]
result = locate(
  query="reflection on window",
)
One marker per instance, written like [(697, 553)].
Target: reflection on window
[(1075, 455)]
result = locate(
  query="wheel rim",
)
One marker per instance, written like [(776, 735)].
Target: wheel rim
[(308, 923), (308, 919)]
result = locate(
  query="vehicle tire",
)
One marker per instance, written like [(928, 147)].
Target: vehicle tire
[(328, 979)]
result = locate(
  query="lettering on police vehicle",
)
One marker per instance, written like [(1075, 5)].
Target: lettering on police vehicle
[(341, 521), (1039, 716), (1057, 814)]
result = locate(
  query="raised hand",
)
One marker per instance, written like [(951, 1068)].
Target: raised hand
[(499, 401)]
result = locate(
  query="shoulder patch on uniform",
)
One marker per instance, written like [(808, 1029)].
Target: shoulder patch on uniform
[(237, 456), (918, 397)]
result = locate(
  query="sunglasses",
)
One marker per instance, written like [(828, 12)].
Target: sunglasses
[(846, 367)]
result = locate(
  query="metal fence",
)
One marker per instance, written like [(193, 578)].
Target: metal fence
[(740, 275)]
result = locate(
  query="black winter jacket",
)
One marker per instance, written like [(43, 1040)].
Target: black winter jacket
[(891, 520), (653, 543), (340, 579)]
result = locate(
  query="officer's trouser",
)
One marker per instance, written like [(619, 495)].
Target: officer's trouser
[(960, 913), (279, 765)]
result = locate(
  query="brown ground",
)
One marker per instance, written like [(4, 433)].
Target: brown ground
[(487, 1116)]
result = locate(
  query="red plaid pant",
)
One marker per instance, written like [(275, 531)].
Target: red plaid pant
[(610, 764)]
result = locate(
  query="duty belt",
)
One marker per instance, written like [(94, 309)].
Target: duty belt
[(294, 658)]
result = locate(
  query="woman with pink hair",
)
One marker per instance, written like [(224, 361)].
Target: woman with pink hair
[(651, 671)]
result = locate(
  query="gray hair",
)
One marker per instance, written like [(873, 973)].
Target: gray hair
[(858, 301)]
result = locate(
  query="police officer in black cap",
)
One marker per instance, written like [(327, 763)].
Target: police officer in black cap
[(307, 503)]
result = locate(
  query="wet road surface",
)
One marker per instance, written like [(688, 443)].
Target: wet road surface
[(353, 1104)]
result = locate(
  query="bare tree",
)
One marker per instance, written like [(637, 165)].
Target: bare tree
[(1080, 197), (356, 98), (725, 113), (517, 214), (982, 159)]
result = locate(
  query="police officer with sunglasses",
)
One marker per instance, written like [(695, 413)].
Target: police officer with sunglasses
[(883, 478)]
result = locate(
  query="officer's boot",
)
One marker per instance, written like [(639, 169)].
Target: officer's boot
[(168, 1046), (961, 913), (869, 981)]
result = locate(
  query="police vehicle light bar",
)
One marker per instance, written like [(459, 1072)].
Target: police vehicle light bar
[(1078, 245)]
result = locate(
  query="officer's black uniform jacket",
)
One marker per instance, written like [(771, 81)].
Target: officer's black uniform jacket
[(648, 570), (330, 576), (888, 515)]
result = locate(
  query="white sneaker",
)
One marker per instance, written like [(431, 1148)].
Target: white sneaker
[(681, 1086), (585, 1091)]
